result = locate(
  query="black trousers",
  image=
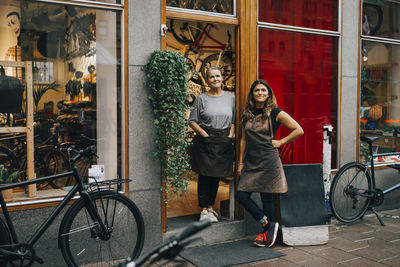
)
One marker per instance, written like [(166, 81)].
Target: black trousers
[(252, 207), (207, 188)]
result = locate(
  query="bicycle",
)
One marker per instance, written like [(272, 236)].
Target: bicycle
[(193, 35), (101, 226), (353, 190), (48, 160), (170, 248)]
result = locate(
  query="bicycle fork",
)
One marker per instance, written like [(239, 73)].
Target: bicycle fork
[(95, 216)]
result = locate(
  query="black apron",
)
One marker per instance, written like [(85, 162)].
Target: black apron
[(213, 155)]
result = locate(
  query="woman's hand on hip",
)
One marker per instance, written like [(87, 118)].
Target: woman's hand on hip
[(277, 143)]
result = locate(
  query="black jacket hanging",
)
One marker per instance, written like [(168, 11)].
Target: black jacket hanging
[(11, 90)]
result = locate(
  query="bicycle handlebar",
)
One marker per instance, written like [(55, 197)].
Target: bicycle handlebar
[(89, 151), (172, 247)]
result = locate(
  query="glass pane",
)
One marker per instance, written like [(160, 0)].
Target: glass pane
[(380, 91), (75, 54), (381, 18), (302, 71), (217, 6), (302, 13)]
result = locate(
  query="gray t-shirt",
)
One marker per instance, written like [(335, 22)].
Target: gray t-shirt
[(214, 111)]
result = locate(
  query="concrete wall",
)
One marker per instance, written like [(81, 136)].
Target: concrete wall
[(144, 21), (349, 81)]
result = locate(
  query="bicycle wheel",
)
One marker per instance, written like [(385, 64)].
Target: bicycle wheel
[(349, 192), (185, 32), (225, 64), (55, 162), (49, 161), (374, 15), (5, 240), (81, 239), (9, 161)]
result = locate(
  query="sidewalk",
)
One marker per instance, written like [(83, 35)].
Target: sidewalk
[(363, 243)]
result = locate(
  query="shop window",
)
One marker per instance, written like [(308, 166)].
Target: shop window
[(314, 14), (379, 103), (215, 6), (303, 74), (381, 19), (75, 54)]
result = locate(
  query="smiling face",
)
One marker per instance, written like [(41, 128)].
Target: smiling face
[(260, 95), (214, 78)]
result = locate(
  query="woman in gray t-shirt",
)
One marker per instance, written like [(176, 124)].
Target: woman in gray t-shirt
[(212, 118)]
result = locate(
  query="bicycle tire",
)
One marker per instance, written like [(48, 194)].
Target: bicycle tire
[(225, 64), (49, 161), (79, 238), (178, 29), (11, 161), (5, 239), (375, 16), (56, 162), (347, 206)]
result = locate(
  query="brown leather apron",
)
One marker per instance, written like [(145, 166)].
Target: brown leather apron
[(213, 155), (262, 166)]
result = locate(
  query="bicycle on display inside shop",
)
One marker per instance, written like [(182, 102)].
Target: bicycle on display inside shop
[(198, 55), (353, 189), (102, 227)]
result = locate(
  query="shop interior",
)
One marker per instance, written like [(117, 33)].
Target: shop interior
[(75, 56)]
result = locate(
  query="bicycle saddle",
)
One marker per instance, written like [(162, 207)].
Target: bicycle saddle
[(369, 139)]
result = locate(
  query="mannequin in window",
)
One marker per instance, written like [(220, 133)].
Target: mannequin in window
[(10, 14)]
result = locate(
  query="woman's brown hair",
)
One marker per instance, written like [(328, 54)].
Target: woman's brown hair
[(270, 103)]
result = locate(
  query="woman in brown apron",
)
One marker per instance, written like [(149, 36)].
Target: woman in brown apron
[(211, 156), (260, 167)]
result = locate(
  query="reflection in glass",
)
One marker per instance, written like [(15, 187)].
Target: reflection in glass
[(301, 13), (217, 6), (381, 19), (302, 70), (379, 92)]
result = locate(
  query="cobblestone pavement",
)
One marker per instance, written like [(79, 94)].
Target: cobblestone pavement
[(363, 243)]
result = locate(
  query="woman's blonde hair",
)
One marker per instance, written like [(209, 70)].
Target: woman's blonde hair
[(270, 103)]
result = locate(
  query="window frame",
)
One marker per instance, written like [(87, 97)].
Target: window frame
[(297, 29)]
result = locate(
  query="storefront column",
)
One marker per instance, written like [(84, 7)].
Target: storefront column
[(144, 167), (350, 45)]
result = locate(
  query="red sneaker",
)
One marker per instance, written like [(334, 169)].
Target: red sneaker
[(259, 241)]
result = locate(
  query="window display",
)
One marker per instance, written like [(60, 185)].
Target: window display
[(379, 97), (75, 54)]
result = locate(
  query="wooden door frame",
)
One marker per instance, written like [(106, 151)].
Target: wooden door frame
[(246, 63)]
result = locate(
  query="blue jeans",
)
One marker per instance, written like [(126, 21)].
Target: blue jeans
[(244, 198)]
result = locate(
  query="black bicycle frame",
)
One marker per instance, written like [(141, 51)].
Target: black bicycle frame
[(78, 187)]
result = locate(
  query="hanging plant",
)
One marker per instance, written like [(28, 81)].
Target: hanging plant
[(166, 74)]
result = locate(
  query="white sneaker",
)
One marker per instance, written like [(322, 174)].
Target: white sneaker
[(212, 214), (204, 215)]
